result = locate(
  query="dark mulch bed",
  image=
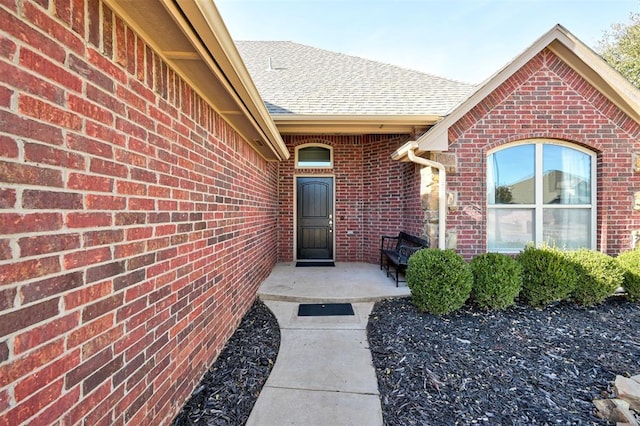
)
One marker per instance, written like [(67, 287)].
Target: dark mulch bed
[(231, 387), (520, 367)]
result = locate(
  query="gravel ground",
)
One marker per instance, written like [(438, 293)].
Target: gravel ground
[(523, 366), (230, 388)]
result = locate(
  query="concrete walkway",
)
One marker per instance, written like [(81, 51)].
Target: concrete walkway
[(324, 373)]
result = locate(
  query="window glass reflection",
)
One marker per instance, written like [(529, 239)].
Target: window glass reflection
[(509, 230), (566, 176), (567, 228), (562, 213), (511, 175), (314, 156)]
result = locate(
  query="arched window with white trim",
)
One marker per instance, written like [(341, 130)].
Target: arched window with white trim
[(314, 155), (541, 191)]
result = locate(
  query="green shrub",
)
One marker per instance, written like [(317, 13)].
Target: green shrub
[(440, 280), (599, 275), (630, 263), (497, 280), (547, 276)]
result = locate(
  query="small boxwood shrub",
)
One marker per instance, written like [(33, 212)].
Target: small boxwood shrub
[(497, 280), (547, 276), (599, 275), (630, 263), (440, 280)]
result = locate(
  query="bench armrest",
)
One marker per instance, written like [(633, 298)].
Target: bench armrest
[(386, 240)]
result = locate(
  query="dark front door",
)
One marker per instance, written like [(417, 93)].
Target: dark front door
[(314, 218)]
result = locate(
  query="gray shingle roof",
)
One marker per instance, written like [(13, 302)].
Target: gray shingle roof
[(296, 79)]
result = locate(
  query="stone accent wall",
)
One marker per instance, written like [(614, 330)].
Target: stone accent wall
[(429, 203), (135, 224), (546, 99)]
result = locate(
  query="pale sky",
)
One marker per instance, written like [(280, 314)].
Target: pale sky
[(466, 40)]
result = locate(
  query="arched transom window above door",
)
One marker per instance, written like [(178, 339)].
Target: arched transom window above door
[(540, 191), (314, 156)]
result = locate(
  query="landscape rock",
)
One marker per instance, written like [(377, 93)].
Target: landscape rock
[(629, 390), (606, 406), (615, 410), (636, 378)]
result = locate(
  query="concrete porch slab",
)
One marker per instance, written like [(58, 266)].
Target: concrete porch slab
[(346, 282)]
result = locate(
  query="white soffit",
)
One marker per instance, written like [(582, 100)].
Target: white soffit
[(191, 38)]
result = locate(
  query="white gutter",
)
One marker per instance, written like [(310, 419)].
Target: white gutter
[(442, 194)]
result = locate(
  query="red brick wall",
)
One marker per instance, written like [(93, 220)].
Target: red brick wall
[(546, 99), (412, 213), (135, 224), (392, 197), (371, 192)]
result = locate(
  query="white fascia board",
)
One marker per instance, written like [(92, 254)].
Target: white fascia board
[(617, 89), (437, 141), (212, 30)]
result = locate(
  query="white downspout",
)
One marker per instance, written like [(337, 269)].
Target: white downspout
[(442, 194)]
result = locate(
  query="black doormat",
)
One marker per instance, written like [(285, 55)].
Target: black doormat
[(299, 264), (324, 309)]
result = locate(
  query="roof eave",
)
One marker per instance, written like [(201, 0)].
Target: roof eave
[(402, 153), (353, 124), (593, 68), (571, 50), (211, 64)]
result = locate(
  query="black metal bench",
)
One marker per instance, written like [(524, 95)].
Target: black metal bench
[(397, 250)]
